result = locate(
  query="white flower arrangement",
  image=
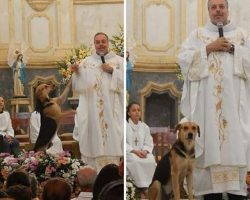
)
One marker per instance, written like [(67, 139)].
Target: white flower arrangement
[(130, 190), (117, 42)]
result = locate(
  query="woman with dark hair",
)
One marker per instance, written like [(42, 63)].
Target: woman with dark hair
[(8, 143), (139, 146)]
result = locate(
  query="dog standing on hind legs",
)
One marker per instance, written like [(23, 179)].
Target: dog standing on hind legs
[(51, 114), (175, 166)]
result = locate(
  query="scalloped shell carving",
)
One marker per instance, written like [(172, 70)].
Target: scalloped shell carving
[(39, 5)]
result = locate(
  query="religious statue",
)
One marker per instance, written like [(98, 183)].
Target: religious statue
[(18, 68), (17, 61)]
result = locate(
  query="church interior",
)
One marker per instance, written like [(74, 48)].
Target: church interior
[(47, 33)]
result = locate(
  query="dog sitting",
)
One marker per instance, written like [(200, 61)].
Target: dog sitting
[(51, 114), (176, 165)]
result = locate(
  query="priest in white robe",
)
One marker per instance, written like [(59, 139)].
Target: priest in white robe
[(216, 95), (139, 146), (99, 119)]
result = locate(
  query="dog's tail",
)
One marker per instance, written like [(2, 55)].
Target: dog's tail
[(47, 131)]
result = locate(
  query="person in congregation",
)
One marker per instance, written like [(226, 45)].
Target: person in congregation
[(99, 119), (85, 180), (8, 142), (215, 62), (19, 192), (35, 123), (108, 174), (56, 189), (18, 177), (139, 146)]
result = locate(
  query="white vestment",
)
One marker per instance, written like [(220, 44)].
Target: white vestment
[(35, 123), (141, 170), (5, 124), (99, 118), (216, 95)]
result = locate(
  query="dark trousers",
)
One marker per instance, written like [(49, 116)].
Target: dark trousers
[(218, 196), (6, 147)]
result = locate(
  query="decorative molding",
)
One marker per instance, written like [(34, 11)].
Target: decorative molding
[(50, 27), (135, 21), (11, 19), (82, 2), (201, 12), (159, 89), (60, 24), (38, 80), (38, 60), (155, 67), (4, 46), (183, 20), (39, 5), (153, 63), (3, 7), (169, 43)]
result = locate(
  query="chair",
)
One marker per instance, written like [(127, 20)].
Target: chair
[(163, 138), (20, 124)]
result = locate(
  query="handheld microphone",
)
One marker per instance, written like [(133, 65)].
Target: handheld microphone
[(220, 29), (102, 57)]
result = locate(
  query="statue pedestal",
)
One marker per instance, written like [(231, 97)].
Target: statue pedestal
[(17, 102)]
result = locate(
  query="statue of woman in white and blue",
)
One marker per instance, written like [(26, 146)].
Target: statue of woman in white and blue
[(19, 75)]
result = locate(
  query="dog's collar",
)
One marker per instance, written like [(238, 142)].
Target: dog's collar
[(180, 150)]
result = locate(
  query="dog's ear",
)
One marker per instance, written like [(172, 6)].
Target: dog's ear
[(198, 131), (177, 128)]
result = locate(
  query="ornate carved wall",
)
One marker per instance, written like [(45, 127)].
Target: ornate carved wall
[(157, 28), (50, 28)]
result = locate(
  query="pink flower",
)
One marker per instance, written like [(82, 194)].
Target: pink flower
[(49, 170), (63, 160)]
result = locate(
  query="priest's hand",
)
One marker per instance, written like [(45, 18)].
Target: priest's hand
[(107, 68), (221, 44), (75, 67)]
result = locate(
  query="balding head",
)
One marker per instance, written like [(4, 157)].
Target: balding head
[(218, 11), (86, 177), (209, 3)]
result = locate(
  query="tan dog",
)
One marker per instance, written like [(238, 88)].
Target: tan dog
[(176, 165), (51, 113)]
